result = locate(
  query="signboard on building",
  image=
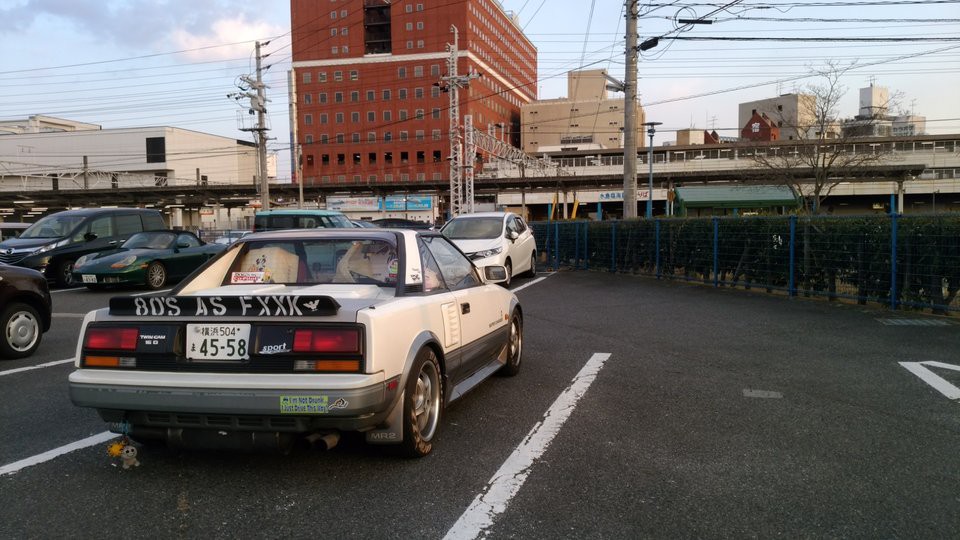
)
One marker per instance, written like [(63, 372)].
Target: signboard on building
[(346, 204), (410, 203)]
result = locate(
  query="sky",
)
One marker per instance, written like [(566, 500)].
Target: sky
[(129, 63)]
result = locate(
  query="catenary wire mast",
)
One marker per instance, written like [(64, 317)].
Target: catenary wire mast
[(452, 83), (256, 91)]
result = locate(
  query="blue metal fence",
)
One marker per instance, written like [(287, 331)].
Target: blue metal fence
[(898, 261)]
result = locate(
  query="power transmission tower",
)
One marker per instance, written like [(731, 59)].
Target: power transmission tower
[(452, 83), (255, 91)]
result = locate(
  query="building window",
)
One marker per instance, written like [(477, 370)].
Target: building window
[(343, 14), (333, 31), (372, 158), (408, 8), (307, 99), (403, 136), (386, 95), (435, 70), (307, 78), (418, 71), (387, 116), (334, 50), (371, 116), (346, 49), (419, 44), (323, 118), (355, 96), (410, 44), (338, 75), (419, 136), (323, 97), (324, 139), (419, 7), (402, 94), (435, 113), (402, 115), (409, 26), (436, 156), (339, 117), (387, 136), (354, 75), (338, 97), (308, 119), (372, 136), (388, 158), (436, 134), (355, 117), (341, 159), (343, 31), (324, 159), (418, 93), (419, 25), (333, 14), (401, 72), (419, 114), (356, 139), (339, 138), (404, 157), (156, 149), (435, 91), (308, 139), (371, 95)]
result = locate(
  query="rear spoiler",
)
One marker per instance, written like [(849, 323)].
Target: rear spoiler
[(224, 306)]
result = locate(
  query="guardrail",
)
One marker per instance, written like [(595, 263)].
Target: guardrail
[(897, 261)]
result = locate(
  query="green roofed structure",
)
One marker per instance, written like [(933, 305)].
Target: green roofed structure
[(713, 200)]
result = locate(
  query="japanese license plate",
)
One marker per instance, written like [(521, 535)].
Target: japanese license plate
[(89, 278), (218, 341)]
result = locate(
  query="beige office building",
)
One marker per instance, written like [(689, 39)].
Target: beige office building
[(788, 111), (585, 120)]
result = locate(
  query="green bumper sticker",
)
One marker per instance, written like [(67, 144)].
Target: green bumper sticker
[(304, 404)]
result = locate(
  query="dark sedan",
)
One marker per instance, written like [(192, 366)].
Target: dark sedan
[(25, 308)]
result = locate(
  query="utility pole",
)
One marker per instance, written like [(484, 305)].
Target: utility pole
[(630, 115), (452, 83), (258, 105)]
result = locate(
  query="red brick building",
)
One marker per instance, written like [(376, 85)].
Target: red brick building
[(760, 128), (364, 107)]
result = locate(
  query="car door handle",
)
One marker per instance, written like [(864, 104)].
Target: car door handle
[(112, 242), (465, 308)]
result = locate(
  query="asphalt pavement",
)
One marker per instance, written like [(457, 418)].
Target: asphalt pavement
[(717, 414)]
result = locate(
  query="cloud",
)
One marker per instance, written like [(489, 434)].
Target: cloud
[(155, 26)]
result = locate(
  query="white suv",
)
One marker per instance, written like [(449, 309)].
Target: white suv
[(495, 238)]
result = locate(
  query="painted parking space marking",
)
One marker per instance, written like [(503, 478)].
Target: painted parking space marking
[(922, 370), (38, 366), (509, 478), (533, 282), (55, 291), (18, 466), (914, 322), (151, 292)]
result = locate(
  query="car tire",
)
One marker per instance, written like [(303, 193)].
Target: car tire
[(64, 277), (156, 276), (532, 272), (422, 405), (22, 330), (509, 266), (514, 347)]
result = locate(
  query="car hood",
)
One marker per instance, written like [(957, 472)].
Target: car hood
[(111, 256), (25, 243), (472, 246)]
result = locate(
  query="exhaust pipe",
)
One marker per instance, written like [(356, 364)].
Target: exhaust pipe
[(323, 441)]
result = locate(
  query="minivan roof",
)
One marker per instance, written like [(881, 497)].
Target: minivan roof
[(91, 211)]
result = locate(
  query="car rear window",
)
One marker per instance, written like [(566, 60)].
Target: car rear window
[(314, 262)]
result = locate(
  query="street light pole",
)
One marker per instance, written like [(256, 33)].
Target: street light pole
[(651, 129)]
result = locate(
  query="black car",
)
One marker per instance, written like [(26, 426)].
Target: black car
[(400, 223), (54, 243), (25, 308)]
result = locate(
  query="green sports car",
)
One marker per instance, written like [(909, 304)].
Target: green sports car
[(152, 258)]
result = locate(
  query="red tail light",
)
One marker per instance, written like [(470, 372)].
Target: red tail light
[(326, 340), (112, 338)]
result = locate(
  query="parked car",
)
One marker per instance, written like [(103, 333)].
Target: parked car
[(272, 220), (25, 308), (303, 333), (400, 223), (55, 242), (229, 237), (153, 258), (495, 238), (363, 224)]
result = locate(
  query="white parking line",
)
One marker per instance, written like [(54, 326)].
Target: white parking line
[(67, 290), (508, 480), (17, 466), (38, 366), (534, 282)]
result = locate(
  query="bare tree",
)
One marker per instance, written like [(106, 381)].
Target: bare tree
[(824, 154)]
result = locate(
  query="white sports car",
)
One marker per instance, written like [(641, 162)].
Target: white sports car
[(302, 333)]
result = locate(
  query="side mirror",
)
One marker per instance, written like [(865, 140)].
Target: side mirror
[(513, 235), (495, 274), (90, 236)]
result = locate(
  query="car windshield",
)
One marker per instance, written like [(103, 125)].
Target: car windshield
[(52, 227), (473, 228), (150, 240), (314, 262)]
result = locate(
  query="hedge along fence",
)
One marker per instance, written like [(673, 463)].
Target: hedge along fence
[(897, 261)]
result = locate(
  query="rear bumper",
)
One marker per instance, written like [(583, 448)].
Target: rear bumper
[(294, 408)]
